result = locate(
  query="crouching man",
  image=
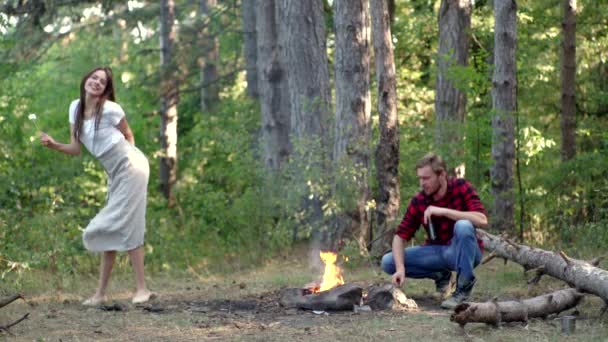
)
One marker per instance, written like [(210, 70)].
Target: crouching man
[(449, 209)]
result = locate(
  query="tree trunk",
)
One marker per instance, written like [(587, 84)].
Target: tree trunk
[(580, 274), (169, 98), (248, 8), (504, 102), (353, 108), (387, 151), (392, 7), (210, 51), (303, 40), (450, 102), (568, 122), (272, 85), (303, 48), (495, 313)]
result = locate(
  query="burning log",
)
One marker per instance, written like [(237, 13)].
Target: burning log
[(494, 312), (382, 297), (343, 297), (582, 275), (328, 294), (331, 294)]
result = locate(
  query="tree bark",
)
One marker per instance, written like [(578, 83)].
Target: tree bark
[(494, 312), (303, 48), (387, 151), (504, 103), (248, 10), (272, 87), (210, 51), (450, 102), (169, 98), (303, 40), (353, 109), (582, 275), (568, 119)]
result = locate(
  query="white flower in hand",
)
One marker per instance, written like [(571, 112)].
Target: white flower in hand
[(33, 118)]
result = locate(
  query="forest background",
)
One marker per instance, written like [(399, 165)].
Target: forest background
[(227, 206)]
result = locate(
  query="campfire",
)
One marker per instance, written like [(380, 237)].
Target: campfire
[(332, 276), (331, 293)]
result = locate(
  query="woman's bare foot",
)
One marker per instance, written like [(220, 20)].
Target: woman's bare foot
[(95, 300), (143, 296)]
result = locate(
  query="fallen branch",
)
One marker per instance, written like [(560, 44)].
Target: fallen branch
[(8, 326), (596, 261), (566, 258), (489, 258), (6, 302), (10, 299), (536, 279), (577, 273), (494, 312), (540, 269)]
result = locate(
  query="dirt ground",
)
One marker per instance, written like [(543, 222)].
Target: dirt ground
[(246, 308)]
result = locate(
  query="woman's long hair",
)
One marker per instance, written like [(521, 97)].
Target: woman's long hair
[(108, 94)]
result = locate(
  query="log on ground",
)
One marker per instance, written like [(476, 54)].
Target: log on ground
[(343, 297), (582, 275), (495, 312)]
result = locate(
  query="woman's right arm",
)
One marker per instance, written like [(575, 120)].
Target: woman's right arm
[(73, 148)]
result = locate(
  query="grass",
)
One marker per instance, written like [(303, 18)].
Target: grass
[(201, 306)]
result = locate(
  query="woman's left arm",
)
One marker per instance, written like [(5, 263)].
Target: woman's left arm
[(123, 127)]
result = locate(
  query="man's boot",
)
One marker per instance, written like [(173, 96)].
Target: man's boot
[(459, 296), (442, 282)]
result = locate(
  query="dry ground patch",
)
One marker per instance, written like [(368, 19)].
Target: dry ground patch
[(243, 306)]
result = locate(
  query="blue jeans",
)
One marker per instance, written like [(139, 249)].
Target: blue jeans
[(429, 261)]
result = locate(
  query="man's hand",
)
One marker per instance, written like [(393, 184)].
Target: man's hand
[(399, 278), (432, 210), (478, 219)]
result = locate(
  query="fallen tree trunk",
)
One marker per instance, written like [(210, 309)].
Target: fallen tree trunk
[(582, 275), (494, 312)]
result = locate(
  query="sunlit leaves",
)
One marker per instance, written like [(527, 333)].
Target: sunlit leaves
[(533, 143)]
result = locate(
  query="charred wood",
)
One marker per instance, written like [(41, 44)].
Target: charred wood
[(380, 297), (343, 297)]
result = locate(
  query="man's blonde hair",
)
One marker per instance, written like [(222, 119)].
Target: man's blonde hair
[(434, 161)]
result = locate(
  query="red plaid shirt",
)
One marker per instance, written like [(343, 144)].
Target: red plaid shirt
[(460, 196)]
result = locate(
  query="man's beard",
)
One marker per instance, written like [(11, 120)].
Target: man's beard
[(432, 194)]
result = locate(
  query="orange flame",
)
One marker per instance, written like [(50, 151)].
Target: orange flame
[(333, 274)]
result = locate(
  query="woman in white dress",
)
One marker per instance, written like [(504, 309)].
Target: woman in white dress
[(100, 125)]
